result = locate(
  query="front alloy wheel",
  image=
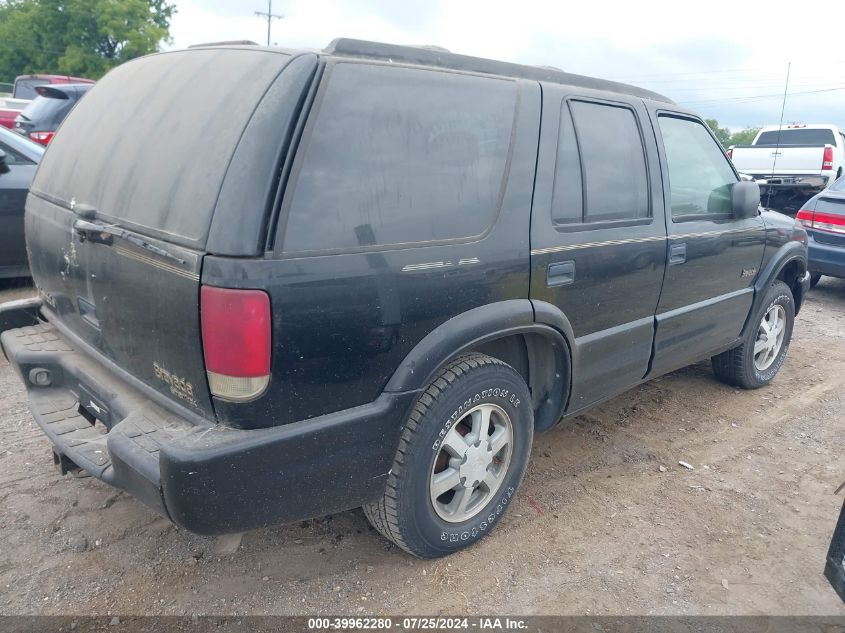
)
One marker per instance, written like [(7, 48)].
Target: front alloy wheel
[(763, 349), (770, 337)]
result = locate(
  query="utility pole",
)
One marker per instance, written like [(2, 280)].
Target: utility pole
[(270, 16)]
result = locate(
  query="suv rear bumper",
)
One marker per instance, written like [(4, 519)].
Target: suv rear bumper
[(208, 479)]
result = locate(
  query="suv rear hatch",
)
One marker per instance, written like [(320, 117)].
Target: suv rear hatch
[(120, 211)]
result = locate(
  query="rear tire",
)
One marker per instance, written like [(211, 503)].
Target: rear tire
[(455, 473), (814, 279), (760, 356)]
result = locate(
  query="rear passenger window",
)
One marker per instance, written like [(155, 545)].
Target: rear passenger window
[(567, 199), (600, 174), (400, 155)]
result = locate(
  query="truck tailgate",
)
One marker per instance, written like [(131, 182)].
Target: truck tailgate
[(790, 159)]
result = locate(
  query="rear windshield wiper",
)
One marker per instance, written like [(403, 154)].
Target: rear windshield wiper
[(95, 229)]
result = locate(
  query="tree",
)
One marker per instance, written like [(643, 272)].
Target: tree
[(721, 133), (78, 37), (743, 137)]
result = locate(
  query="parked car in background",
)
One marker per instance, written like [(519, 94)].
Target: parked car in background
[(10, 108), (792, 163), (42, 117), (19, 158), (23, 91), (25, 85), (823, 216), (384, 270)]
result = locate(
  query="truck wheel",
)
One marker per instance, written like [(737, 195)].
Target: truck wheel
[(759, 358), (814, 279), (461, 457)]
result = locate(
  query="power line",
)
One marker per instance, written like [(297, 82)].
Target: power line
[(270, 16), (648, 77), (758, 97), (747, 87)]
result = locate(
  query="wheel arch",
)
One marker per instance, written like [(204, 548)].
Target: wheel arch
[(506, 330), (788, 264)]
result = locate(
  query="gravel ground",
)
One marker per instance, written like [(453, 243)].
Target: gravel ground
[(607, 522)]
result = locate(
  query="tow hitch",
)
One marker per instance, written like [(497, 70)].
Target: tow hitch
[(65, 466)]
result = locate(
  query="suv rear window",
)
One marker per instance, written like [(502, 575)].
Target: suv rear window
[(150, 144), (45, 109), (797, 137), (400, 155), (25, 88)]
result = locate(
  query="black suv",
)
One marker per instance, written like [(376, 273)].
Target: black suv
[(372, 276)]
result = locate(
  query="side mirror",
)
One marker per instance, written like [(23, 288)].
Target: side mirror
[(4, 167), (745, 199)]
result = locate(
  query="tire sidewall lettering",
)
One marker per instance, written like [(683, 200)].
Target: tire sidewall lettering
[(464, 534), (490, 395)]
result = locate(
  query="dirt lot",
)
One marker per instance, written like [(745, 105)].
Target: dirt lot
[(598, 527)]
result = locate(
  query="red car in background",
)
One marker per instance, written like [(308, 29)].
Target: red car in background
[(24, 92)]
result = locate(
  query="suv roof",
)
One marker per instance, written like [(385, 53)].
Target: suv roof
[(441, 58)]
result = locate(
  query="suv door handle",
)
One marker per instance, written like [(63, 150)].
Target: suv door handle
[(561, 274), (677, 254)]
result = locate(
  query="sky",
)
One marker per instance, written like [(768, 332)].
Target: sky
[(726, 60)]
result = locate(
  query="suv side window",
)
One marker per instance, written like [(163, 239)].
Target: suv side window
[(600, 174), (700, 175), (400, 155)]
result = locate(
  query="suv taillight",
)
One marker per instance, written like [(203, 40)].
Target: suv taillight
[(236, 341), (805, 217), (42, 137), (827, 161)]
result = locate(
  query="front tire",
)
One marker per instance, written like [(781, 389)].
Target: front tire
[(760, 356), (461, 457)]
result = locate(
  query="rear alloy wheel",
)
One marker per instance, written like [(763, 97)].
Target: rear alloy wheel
[(461, 457), (472, 463), (759, 358)]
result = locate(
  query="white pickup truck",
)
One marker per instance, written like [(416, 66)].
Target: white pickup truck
[(792, 163)]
